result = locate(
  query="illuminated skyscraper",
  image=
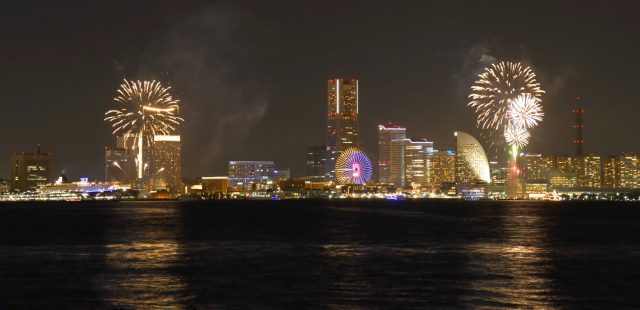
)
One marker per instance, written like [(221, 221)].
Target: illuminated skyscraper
[(472, 165), (589, 169), (342, 121), (609, 165), (391, 154), (164, 170), (417, 162), (443, 170), (30, 170), (627, 168), (537, 168)]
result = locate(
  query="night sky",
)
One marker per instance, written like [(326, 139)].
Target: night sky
[(252, 75)]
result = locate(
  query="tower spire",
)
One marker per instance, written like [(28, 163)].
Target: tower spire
[(577, 126)]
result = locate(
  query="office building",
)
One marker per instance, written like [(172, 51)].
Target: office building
[(417, 162), (29, 171), (119, 165), (391, 154), (627, 169), (589, 171), (214, 185), (315, 162), (609, 172), (164, 170), (443, 171), (342, 121), (251, 175), (537, 167)]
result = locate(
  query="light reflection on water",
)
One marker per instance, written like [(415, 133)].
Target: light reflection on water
[(512, 267), (140, 255), (243, 254)]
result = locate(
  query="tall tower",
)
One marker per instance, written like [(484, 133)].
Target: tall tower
[(342, 121), (391, 154), (577, 126)]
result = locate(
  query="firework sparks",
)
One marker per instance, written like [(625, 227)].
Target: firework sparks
[(506, 99), (496, 88), (525, 111), (517, 136), (148, 110)]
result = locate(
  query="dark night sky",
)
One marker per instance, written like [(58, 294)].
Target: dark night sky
[(252, 74)]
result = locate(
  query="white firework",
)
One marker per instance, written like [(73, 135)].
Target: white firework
[(525, 111), (517, 136)]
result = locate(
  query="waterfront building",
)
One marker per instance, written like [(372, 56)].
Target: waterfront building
[(5, 186), (251, 175), (609, 172), (29, 171), (315, 162), (391, 148), (164, 171), (565, 175), (589, 171), (214, 185), (417, 162), (536, 189), (443, 172), (627, 169), (537, 167), (472, 165), (499, 172), (342, 121)]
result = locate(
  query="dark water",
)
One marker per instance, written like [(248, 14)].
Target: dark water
[(320, 254)]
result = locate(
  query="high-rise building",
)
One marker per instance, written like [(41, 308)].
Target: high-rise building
[(589, 171), (417, 162), (391, 154), (565, 175), (472, 165), (609, 172), (443, 170), (342, 121), (29, 171), (164, 170), (119, 165), (315, 162), (578, 141), (537, 168), (251, 175), (627, 169)]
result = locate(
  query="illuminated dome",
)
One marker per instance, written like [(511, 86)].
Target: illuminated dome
[(471, 160)]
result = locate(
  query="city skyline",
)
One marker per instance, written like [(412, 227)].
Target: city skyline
[(428, 97)]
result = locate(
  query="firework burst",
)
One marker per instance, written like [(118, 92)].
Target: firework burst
[(506, 99), (147, 110), (525, 111), (497, 86), (515, 135)]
